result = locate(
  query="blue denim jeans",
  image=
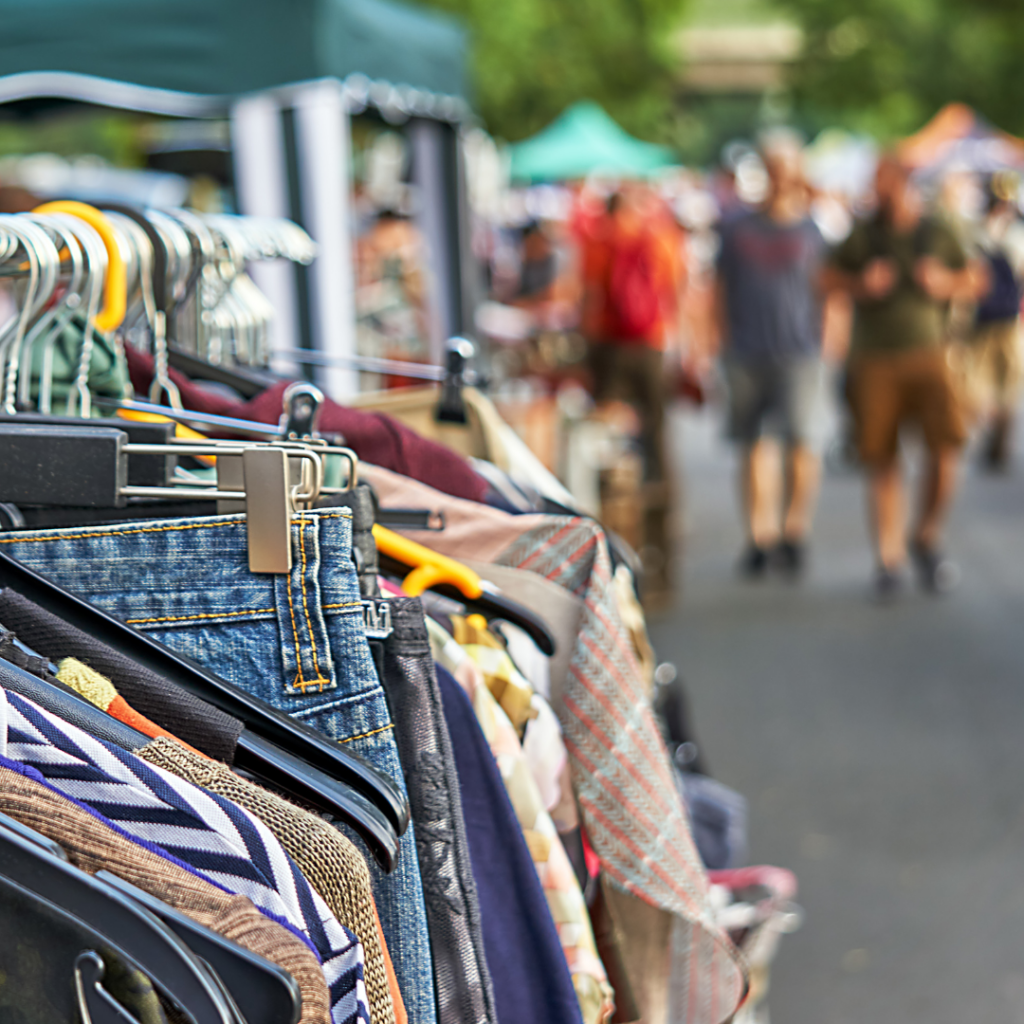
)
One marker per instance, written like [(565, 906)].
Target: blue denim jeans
[(296, 641)]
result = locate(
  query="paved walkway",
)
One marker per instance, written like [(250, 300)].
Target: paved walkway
[(881, 749)]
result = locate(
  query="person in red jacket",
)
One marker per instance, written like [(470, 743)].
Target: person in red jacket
[(632, 275)]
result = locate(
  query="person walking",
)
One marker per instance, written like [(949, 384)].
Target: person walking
[(992, 353), (903, 268), (770, 321), (633, 275)]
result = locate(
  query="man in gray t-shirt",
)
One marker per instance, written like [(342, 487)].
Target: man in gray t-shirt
[(770, 328)]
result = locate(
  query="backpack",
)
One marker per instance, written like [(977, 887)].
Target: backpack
[(634, 305)]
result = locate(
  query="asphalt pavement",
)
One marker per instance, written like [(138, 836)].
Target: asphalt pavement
[(881, 748)]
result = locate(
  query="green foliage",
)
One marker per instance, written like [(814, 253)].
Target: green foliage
[(532, 58), (886, 66), (113, 136)]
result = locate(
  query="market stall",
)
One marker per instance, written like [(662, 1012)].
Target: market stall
[(290, 77)]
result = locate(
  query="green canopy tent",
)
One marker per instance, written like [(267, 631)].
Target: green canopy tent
[(289, 74), (222, 48), (584, 140)]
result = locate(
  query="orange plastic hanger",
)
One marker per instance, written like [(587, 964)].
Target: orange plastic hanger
[(430, 568), (115, 285)]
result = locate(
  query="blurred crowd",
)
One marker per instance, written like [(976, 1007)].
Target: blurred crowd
[(884, 300)]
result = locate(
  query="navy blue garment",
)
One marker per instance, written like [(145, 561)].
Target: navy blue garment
[(528, 969)]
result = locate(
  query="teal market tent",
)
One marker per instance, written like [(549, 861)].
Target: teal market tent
[(228, 47), (584, 140)]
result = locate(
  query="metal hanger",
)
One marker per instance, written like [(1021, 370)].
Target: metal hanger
[(56, 319), (43, 262), (96, 256), (87, 466)]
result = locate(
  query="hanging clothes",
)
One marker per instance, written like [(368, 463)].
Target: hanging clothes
[(295, 641), (94, 843), (530, 975), (461, 975), (621, 772)]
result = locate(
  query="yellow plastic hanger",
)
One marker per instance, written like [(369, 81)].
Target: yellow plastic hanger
[(181, 432), (115, 285), (430, 568)]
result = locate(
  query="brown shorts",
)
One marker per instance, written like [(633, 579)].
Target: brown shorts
[(888, 390)]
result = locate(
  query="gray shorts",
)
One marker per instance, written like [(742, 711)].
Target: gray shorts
[(782, 398)]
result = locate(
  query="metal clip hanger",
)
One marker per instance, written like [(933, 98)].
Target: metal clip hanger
[(87, 466), (303, 404)]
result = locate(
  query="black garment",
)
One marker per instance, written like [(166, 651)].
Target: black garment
[(1002, 302), (528, 969), (186, 716), (364, 548), (462, 981)]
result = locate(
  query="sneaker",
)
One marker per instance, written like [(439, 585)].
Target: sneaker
[(888, 585), (937, 573), (791, 557), (754, 562)]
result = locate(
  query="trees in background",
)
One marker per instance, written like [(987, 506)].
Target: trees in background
[(532, 58), (878, 66), (886, 66)]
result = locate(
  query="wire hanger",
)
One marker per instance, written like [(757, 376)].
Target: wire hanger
[(50, 325)]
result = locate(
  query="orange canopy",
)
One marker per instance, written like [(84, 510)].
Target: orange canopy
[(957, 134)]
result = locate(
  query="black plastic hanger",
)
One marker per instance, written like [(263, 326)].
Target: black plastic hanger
[(278, 749), (135, 932), (67, 704), (143, 470), (263, 992), (263, 761), (65, 949)]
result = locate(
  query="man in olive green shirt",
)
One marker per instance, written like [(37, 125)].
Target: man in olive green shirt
[(902, 269)]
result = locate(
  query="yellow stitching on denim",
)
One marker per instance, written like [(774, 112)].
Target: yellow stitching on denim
[(117, 533), (201, 615), (346, 514), (299, 683), (372, 732), (305, 605), (343, 604)]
